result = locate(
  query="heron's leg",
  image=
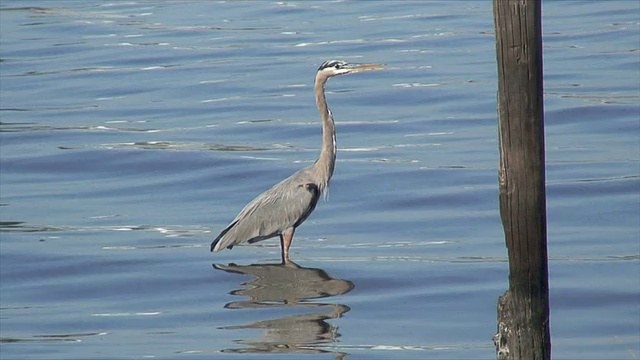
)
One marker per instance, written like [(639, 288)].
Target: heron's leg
[(285, 242)]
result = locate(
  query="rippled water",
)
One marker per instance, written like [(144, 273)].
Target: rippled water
[(132, 132)]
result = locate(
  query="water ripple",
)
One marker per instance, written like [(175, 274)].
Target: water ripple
[(168, 231), (53, 337)]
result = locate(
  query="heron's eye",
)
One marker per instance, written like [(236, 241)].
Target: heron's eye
[(338, 66)]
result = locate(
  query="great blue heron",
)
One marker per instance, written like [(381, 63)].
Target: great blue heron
[(281, 209)]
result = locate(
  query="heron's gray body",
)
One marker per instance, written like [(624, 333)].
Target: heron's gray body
[(281, 209)]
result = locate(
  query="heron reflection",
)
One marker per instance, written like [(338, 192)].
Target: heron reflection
[(290, 286)]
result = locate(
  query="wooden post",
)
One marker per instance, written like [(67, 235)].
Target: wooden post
[(523, 311)]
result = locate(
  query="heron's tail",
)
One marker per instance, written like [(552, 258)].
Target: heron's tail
[(219, 244)]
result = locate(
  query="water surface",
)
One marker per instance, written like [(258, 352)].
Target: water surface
[(132, 132)]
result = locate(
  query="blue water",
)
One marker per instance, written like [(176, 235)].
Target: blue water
[(132, 132)]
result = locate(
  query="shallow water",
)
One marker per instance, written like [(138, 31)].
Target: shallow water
[(132, 132)]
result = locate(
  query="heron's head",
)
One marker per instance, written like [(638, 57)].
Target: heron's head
[(337, 67)]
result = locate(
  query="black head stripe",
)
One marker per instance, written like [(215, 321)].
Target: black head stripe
[(331, 63)]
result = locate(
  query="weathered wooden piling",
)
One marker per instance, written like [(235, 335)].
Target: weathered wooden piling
[(523, 311)]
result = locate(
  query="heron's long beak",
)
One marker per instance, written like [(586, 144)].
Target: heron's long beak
[(364, 67)]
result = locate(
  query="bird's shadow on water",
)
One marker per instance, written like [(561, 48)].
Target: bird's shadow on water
[(277, 286)]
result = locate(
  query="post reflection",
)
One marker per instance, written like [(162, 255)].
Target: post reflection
[(277, 286)]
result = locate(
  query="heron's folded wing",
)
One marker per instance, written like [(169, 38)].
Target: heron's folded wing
[(284, 206)]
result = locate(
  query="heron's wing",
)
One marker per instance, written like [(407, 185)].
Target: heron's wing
[(284, 206)]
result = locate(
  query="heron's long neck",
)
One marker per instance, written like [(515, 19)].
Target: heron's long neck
[(326, 162)]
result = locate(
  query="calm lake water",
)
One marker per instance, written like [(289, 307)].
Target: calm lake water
[(132, 132)]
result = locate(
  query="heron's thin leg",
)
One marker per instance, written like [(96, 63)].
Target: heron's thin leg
[(285, 242)]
